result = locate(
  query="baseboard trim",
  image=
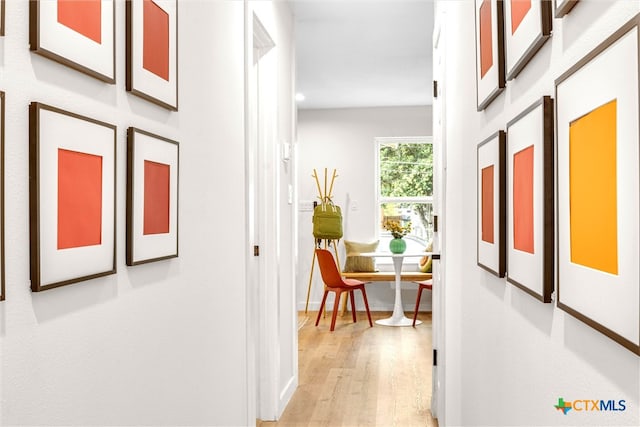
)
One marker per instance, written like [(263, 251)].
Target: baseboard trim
[(315, 306)]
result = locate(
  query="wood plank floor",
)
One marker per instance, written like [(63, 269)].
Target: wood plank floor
[(361, 376)]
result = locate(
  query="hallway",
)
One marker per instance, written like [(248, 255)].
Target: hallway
[(361, 376)]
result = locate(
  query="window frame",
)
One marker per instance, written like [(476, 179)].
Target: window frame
[(379, 141)]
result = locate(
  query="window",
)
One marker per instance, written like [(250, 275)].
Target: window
[(404, 187)]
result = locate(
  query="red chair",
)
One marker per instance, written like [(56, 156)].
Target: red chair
[(334, 282), (425, 284)]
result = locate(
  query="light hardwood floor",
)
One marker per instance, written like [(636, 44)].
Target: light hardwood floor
[(361, 376)]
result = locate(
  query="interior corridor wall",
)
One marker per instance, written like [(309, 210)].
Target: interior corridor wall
[(157, 344), (286, 215), (344, 139), (276, 287), (509, 357)]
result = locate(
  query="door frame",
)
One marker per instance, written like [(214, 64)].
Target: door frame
[(438, 378), (267, 397)]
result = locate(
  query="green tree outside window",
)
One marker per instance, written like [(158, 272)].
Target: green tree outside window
[(406, 182)]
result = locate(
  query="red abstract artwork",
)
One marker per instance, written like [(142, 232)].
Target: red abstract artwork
[(523, 200), (487, 204), (155, 40), (519, 9), (79, 199), (82, 16), (486, 39), (156, 198)]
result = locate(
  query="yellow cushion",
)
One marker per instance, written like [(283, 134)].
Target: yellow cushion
[(356, 263), (425, 263)]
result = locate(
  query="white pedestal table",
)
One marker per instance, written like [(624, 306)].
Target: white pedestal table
[(397, 318)]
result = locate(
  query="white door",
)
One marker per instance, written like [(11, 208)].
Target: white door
[(261, 128), (272, 376), (439, 192), (253, 274)]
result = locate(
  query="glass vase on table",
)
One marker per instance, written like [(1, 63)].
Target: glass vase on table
[(397, 245), (398, 230)]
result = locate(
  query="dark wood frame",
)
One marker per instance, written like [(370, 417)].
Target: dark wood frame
[(498, 33), (2, 276), (563, 8), (502, 205), (2, 18), (548, 207), (537, 42), (35, 46), (131, 132), (34, 197), (611, 40), (130, 83)]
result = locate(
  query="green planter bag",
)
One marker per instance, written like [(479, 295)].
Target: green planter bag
[(327, 222)]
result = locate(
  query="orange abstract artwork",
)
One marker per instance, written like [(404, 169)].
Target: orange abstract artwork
[(79, 199), (519, 9), (156, 198), (523, 200), (486, 39), (155, 40), (82, 16), (593, 189), (487, 204)]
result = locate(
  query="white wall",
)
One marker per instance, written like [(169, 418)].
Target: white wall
[(286, 214), (158, 344), (277, 364), (344, 139), (508, 356)]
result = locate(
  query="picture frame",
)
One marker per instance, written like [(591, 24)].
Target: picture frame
[(2, 275), (530, 200), (598, 134), (562, 7), (153, 167), (491, 204), (490, 74), (2, 18), (72, 197), (152, 51), (527, 27), (80, 35)]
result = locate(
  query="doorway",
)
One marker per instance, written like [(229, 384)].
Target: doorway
[(439, 192), (272, 350)]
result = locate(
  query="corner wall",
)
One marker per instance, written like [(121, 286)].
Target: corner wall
[(163, 343), (344, 139), (508, 356), (273, 281)]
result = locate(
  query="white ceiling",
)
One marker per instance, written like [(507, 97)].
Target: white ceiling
[(363, 53)]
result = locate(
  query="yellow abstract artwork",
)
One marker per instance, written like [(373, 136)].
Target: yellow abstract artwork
[(593, 189)]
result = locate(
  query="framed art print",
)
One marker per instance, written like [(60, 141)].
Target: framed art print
[(152, 197), (152, 51), (2, 291), (72, 197), (598, 162), (527, 27), (2, 17), (79, 34), (530, 208), (562, 7), (491, 204), (489, 51)]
